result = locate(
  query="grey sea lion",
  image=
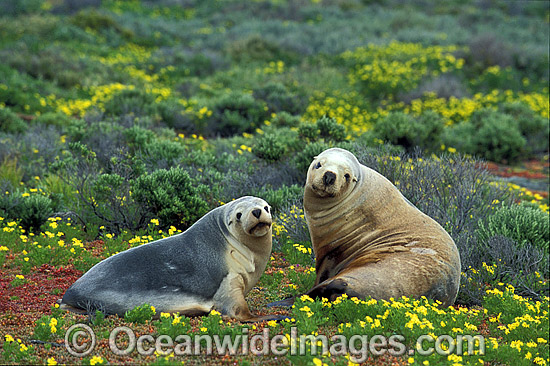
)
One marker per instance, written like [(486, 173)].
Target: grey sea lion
[(210, 266)]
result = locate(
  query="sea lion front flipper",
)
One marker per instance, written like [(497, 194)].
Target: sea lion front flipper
[(230, 302)]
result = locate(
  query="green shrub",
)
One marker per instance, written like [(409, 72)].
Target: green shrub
[(308, 131), (15, 8), (138, 137), (279, 198), (10, 122), (256, 48), (54, 119), (165, 150), (329, 129), (140, 314), (429, 129), (395, 128), (533, 127), (269, 147), (405, 130), (33, 210), (171, 196), (131, 101), (521, 223), (278, 98), (49, 62), (284, 119), (173, 114), (12, 172), (93, 19), (45, 328), (502, 261), (173, 326), (235, 113), (488, 134)]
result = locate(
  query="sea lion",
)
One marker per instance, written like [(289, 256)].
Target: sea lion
[(212, 265), (369, 240)]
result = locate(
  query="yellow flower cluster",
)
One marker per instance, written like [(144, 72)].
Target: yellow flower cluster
[(348, 109), (53, 324), (97, 360), (274, 67), (126, 54), (386, 69), (302, 249), (99, 95), (242, 148), (455, 110), (525, 194), (284, 220)]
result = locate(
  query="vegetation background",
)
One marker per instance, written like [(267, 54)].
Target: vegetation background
[(122, 122)]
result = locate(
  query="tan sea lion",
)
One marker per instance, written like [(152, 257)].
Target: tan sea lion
[(212, 265), (369, 240)]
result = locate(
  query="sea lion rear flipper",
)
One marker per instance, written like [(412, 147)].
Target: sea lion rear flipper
[(72, 309), (289, 301), (332, 289)]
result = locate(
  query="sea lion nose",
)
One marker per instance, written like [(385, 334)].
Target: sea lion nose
[(257, 212), (329, 178)]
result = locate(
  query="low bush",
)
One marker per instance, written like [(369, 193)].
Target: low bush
[(257, 48), (31, 210), (269, 147), (235, 113), (533, 127), (51, 63), (324, 128), (22, 7), (501, 261), (278, 199), (522, 224), (140, 314), (171, 196), (100, 22), (488, 50), (130, 101), (410, 132), (488, 134), (284, 119), (161, 153), (329, 129), (278, 98), (10, 122), (57, 119), (308, 131)]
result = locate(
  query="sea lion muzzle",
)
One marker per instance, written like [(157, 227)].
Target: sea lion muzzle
[(329, 178)]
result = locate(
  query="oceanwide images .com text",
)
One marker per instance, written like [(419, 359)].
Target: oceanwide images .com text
[(80, 341)]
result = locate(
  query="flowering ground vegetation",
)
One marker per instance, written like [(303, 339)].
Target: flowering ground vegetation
[(123, 122)]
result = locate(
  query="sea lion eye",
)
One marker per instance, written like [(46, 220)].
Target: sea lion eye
[(266, 208), (347, 176), (239, 215), (317, 166)]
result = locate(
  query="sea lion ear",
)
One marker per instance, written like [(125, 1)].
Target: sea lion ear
[(355, 178)]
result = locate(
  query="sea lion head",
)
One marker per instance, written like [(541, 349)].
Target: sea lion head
[(333, 173), (249, 216)]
